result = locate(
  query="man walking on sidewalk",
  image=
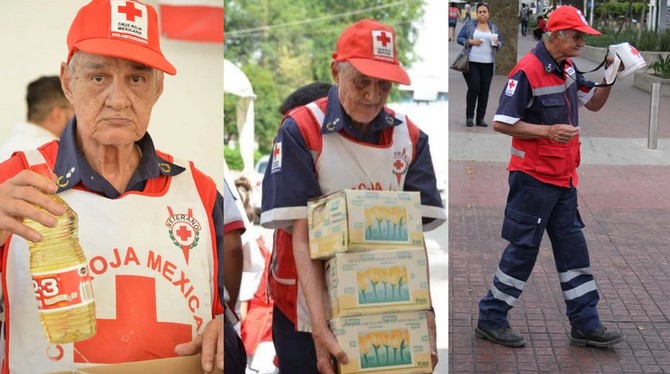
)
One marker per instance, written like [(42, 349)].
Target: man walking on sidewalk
[(523, 17), (539, 109)]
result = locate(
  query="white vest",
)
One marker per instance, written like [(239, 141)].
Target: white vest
[(348, 164), (148, 296)]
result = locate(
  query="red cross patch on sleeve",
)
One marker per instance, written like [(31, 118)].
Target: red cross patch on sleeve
[(276, 158), (511, 87)]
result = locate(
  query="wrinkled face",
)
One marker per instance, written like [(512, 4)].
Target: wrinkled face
[(483, 14), (570, 42), (361, 96), (112, 97)]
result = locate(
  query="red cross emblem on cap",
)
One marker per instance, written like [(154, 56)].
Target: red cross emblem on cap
[(130, 11), (383, 38)]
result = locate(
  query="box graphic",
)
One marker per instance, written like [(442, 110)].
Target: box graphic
[(384, 343), (351, 220), (377, 282), (386, 224)]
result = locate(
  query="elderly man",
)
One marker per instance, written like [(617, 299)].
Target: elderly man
[(347, 140), (151, 226), (539, 110)]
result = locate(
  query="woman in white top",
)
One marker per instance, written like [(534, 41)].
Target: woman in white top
[(482, 38)]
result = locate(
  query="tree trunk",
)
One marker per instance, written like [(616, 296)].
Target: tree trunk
[(505, 14)]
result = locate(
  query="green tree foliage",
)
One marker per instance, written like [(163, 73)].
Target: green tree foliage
[(284, 44)]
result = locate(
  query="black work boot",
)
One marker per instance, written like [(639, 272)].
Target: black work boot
[(596, 338), (504, 336)]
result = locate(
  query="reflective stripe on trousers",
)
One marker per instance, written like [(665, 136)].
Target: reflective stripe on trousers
[(532, 208)]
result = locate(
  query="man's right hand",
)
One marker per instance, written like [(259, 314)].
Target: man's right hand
[(20, 197), (327, 347), (562, 133)]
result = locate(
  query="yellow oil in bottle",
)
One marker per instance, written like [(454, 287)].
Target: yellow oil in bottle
[(61, 280)]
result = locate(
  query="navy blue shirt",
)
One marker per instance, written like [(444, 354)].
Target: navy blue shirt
[(518, 100)]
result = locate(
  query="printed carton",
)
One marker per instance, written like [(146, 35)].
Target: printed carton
[(174, 365), (351, 220), (377, 282), (394, 343)]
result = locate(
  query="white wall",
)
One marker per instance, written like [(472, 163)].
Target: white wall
[(187, 121)]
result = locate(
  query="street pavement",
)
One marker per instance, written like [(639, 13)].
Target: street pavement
[(624, 200)]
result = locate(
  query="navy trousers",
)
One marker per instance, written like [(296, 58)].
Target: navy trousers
[(532, 208), (235, 357), (295, 350)]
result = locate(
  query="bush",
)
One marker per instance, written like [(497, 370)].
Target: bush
[(619, 9), (664, 41), (233, 158), (661, 67), (651, 41)]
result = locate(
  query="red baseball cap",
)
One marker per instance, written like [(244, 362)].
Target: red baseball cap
[(370, 47), (566, 17), (126, 29)]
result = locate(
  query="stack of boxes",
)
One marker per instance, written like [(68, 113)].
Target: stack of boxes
[(377, 278)]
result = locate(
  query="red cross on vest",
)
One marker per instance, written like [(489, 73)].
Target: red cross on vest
[(183, 232), (130, 11), (383, 39), (132, 335), (399, 165)]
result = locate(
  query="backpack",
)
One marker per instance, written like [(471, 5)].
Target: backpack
[(524, 14)]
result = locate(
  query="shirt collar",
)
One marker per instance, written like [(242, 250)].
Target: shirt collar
[(550, 65), (336, 119), (72, 168)]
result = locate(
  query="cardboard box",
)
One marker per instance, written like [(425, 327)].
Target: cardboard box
[(377, 282), (394, 343), (174, 365), (364, 220)]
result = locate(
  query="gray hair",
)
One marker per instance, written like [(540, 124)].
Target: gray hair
[(344, 66), (547, 34)]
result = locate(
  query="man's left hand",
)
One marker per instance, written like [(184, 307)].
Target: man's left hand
[(209, 345)]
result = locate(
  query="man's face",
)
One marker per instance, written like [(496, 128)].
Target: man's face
[(112, 98), (570, 42), (361, 96)]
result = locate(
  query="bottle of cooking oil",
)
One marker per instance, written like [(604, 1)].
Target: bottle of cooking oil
[(61, 280)]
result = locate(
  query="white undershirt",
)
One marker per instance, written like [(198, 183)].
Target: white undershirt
[(482, 53)]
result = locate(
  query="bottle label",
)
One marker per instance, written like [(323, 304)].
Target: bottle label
[(63, 289)]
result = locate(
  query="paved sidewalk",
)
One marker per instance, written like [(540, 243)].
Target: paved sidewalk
[(625, 203)]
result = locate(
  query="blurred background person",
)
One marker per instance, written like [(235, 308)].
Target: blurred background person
[(453, 20), (524, 15), (541, 28), (48, 113), (467, 17), (484, 40)]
